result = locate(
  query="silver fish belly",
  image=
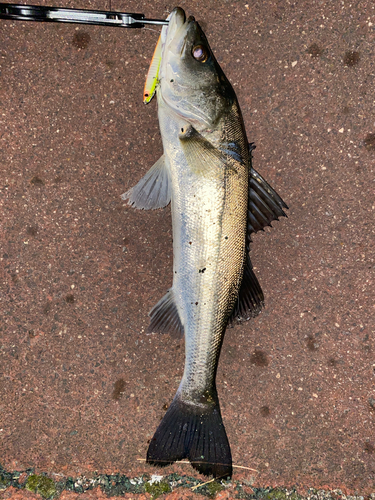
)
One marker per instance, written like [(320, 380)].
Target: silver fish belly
[(217, 200)]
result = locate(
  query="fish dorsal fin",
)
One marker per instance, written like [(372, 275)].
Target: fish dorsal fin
[(250, 297), (202, 156), (265, 205), (153, 190), (165, 317)]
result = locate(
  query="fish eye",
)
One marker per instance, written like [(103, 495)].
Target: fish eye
[(200, 53)]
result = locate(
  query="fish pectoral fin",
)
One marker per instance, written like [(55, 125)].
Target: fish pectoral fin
[(250, 297), (153, 190), (165, 317), (202, 156), (265, 205)]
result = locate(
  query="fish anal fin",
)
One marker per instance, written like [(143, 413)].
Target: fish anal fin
[(165, 317), (195, 432), (250, 297), (153, 190)]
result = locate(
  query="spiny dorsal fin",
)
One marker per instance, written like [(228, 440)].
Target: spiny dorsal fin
[(265, 205), (165, 318), (153, 190)]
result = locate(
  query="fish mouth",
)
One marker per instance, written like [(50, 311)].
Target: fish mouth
[(177, 19), (170, 34), (174, 40)]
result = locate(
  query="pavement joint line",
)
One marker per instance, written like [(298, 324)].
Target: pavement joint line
[(118, 484)]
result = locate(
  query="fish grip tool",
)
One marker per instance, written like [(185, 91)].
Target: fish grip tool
[(18, 12)]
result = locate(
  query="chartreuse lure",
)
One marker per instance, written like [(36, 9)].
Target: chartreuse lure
[(152, 79)]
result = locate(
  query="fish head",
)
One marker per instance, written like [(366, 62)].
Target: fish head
[(191, 83)]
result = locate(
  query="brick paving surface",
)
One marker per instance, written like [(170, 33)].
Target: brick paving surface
[(82, 387)]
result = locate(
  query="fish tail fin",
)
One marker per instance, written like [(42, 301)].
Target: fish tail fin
[(195, 432)]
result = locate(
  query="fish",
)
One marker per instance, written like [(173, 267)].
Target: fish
[(217, 201)]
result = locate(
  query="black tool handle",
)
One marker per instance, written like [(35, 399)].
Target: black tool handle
[(67, 15)]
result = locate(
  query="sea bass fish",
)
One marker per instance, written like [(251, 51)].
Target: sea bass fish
[(217, 201)]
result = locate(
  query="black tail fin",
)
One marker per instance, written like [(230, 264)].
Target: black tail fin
[(194, 432)]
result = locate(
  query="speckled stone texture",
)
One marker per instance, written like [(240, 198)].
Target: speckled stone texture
[(82, 386)]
